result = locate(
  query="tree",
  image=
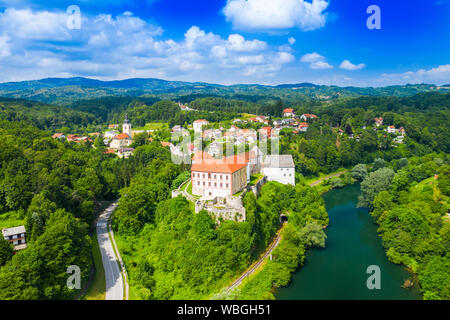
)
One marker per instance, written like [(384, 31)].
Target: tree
[(312, 235), (359, 172), (378, 163), (444, 179), (376, 182), (6, 251)]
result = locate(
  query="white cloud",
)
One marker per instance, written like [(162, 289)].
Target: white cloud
[(124, 46), (347, 65), (316, 61), (437, 75), (291, 40), (251, 59), (276, 14), (285, 57), (4, 46), (312, 57), (237, 42), (320, 65), (35, 25)]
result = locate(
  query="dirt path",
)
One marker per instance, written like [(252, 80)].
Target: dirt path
[(327, 178), (255, 266)]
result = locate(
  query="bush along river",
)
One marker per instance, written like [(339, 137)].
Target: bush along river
[(339, 271)]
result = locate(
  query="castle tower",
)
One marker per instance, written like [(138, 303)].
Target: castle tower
[(126, 127)]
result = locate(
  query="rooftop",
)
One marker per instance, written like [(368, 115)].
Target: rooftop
[(122, 136), (279, 161), (12, 231), (203, 162)]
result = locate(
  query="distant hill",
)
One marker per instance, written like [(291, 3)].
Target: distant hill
[(298, 85), (66, 91)]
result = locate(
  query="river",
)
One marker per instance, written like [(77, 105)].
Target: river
[(339, 270)]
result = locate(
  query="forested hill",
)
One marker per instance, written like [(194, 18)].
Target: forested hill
[(43, 116), (67, 90)]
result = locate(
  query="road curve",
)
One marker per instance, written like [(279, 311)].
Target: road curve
[(113, 277)]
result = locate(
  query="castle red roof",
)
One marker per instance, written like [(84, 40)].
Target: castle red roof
[(203, 162), (122, 136)]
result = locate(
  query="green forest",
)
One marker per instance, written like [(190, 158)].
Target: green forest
[(56, 189)]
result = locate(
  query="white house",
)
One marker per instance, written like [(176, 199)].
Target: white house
[(303, 127), (288, 112), (391, 129), (16, 236), (198, 124), (120, 141), (111, 134), (125, 152), (308, 116), (280, 168)]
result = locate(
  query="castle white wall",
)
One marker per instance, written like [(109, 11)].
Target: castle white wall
[(281, 175)]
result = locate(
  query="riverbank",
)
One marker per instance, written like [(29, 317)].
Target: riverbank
[(340, 270)]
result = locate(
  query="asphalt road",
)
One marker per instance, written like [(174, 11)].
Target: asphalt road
[(114, 281)]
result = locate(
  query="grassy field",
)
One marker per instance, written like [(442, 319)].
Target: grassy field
[(255, 178), (98, 287), (127, 253), (11, 219), (153, 126), (308, 181)]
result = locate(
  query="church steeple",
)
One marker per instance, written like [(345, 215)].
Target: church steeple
[(126, 126)]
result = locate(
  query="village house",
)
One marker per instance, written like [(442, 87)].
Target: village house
[(120, 141), (113, 126), (277, 123), (391, 129), (280, 168), (218, 177), (378, 121), (111, 134), (125, 152), (110, 151), (72, 137), (308, 116), (215, 149), (124, 139), (265, 132), (16, 236), (199, 124), (288, 113), (177, 128), (303, 127), (58, 136)]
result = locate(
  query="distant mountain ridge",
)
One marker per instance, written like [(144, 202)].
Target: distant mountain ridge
[(67, 90)]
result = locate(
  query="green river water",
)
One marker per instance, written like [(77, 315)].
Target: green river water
[(339, 270)]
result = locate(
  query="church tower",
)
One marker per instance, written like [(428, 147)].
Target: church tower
[(126, 127)]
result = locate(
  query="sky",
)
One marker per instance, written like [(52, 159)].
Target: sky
[(228, 41)]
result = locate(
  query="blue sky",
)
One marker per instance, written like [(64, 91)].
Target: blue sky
[(228, 41)]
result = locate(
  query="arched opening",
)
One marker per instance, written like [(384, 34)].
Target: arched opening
[(283, 218)]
